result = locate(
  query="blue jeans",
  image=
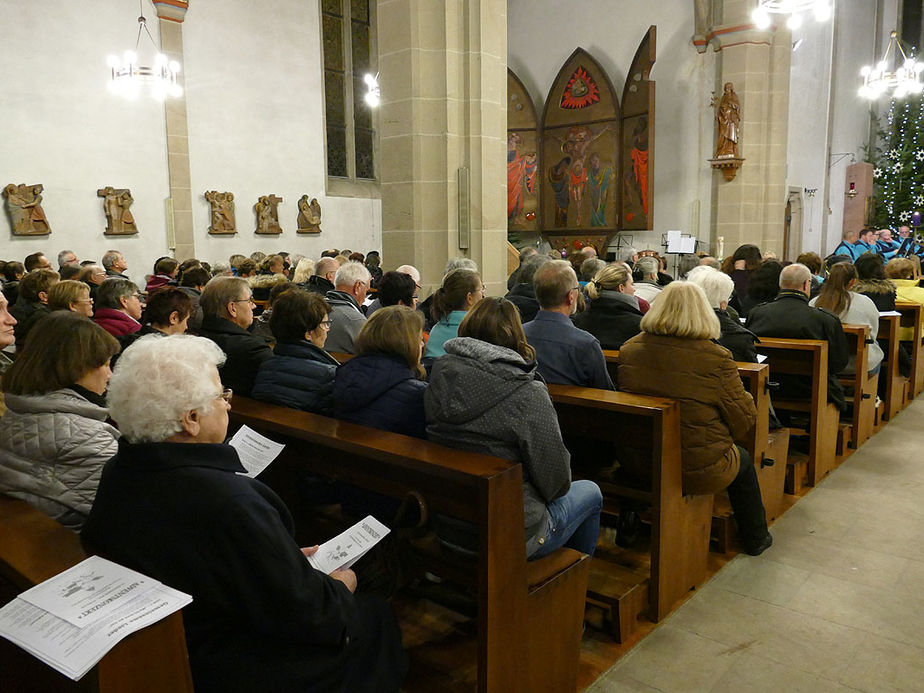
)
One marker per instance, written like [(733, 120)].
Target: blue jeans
[(575, 520)]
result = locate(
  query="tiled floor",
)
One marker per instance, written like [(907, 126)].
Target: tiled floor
[(837, 604)]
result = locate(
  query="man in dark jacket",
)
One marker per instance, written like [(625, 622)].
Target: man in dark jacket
[(346, 317), (790, 316), (565, 354), (227, 310), (322, 280), (514, 277), (523, 295), (31, 304)]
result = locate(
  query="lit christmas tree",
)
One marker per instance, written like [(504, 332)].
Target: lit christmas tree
[(898, 177)]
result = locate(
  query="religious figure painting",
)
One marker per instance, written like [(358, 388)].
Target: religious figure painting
[(523, 172), (635, 169), (267, 212), (309, 215), (222, 212), (116, 203), (636, 148), (579, 153), (24, 207)]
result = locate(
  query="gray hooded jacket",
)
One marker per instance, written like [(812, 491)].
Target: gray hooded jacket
[(486, 399)]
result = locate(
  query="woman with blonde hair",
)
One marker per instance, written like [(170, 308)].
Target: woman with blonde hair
[(303, 270), (484, 396), (613, 316), (71, 295), (54, 439), (461, 289), (676, 356), (383, 386)]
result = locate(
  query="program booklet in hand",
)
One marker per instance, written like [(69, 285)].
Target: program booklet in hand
[(345, 549)]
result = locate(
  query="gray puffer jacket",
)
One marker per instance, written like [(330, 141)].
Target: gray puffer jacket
[(52, 451), (485, 398)]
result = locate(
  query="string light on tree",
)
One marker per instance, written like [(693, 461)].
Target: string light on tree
[(899, 162)]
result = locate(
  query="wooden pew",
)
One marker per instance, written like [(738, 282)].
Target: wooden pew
[(911, 319), (33, 548), (864, 386), (520, 602), (896, 383), (598, 425), (768, 450), (806, 358)]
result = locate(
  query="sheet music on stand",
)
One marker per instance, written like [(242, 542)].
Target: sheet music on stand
[(679, 244)]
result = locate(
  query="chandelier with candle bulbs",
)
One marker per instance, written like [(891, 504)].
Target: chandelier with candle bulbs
[(761, 16), (130, 75), (897, 74)]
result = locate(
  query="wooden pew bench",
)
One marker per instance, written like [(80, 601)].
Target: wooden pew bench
[(599, 425), (806, 359), (895, 383), (911, 325), (768, 449), (862, 401), (33, 548), (520, 602)]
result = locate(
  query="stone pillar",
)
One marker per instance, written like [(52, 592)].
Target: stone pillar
[(442, 68), (171, 14), (751, 208)]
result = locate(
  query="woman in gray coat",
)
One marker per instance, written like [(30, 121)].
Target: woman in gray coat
[(485, 396), (54, 438)]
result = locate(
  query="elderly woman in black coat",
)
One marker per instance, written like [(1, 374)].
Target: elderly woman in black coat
[(718, 287)]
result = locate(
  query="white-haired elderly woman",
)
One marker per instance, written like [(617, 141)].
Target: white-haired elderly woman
[(718, 287), (676, 356), (173, 505)]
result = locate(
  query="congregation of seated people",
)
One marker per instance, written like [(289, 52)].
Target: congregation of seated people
[(116, 391)]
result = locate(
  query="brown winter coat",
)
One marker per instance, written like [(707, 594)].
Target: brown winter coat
[(715, 409)]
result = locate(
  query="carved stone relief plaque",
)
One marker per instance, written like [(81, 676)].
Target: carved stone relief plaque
[(116, 204), (267, 212), (309, 215), (222, 212), (24, 207)]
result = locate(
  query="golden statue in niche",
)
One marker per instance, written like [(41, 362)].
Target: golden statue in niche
[(728, 123), (222, 212), (24, 207), (116, 203)]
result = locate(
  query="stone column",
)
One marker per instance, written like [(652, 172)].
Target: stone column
[(443, 74), (171, 14), (750, 209)]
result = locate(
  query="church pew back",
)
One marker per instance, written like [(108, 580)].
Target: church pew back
[(33, 548)]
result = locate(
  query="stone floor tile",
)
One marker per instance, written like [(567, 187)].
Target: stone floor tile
[(886, 665), (755, 674), (760, 578)]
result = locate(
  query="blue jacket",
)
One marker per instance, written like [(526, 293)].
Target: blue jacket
[(447, 328), (854, 250), (565, 354), (380, 391), (887, 250), (300, 376)]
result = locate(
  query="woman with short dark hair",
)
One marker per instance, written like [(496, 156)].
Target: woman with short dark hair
[(54, 438), (300, 375), (397, 289), (484, 396)]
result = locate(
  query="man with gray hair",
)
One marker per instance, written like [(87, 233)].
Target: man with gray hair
[(67, 258), (227, 314), (565, 354), (115, 264), (351, 284), (790, 316), (647, 287)]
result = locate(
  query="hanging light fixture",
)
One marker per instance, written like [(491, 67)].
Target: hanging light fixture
[(903, 80), (794, 8), (129, 75)]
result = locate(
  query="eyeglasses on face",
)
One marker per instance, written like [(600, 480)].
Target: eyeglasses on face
[(327, 323), (226, 394)]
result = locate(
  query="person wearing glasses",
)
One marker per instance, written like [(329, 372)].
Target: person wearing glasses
[(227, 314), (54, 439), (72, 295), (566, 354), (118, 307), (461, 290), (173, 505), (351, 284), (301, 374), (395, 289)]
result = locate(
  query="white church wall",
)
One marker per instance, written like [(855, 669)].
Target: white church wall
[(256, 126), (254, 97), (541, 34), (63, 129)]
